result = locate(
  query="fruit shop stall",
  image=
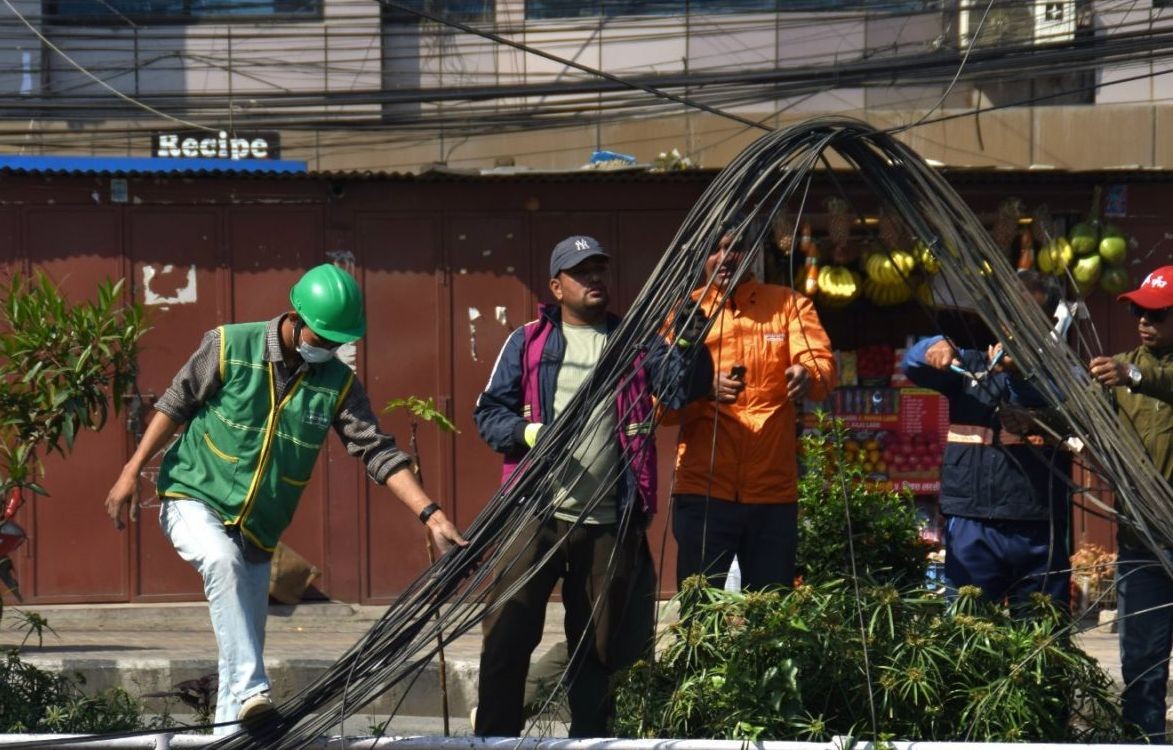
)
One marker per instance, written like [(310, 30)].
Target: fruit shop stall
[(877, 291)]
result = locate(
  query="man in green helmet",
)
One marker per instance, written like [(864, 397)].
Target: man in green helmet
[(258, 400)]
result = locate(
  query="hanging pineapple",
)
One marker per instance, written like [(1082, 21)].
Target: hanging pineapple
[(782, 231), (838, 221), (1006, 222), (839, 232), (892, 231)]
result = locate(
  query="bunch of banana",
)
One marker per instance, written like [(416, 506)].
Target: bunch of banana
[(887, 295), (838, 285), (891, 268), (1055, 256), (928, 261)]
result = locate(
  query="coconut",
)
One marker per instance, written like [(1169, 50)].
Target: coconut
[(1084, 238), (1115, 280), (1113, 247)]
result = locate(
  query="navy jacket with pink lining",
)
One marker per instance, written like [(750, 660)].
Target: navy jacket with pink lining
[(521, 390)]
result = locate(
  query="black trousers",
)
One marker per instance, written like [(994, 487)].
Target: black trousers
[(608, 592), (1144, 598), (709, 532)]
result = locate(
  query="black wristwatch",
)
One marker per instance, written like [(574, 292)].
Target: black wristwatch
[(427, 512)]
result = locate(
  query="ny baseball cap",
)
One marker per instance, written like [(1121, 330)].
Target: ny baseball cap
[(1155, 292), (574, 250)]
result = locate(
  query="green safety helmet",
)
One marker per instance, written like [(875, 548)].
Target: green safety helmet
[(330, 303)]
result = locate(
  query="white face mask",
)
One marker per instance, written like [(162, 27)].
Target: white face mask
[(314, 355)]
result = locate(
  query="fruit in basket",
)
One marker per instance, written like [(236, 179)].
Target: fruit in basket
[(913, 456)]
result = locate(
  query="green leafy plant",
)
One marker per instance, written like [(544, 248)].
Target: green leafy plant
[(33, 700), (424, 410), (421, 410), (864, 649), (32, 623), (875, 660), (849, 524), (59, 365)]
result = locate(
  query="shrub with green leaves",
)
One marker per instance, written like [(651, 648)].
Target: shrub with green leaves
[(872, 660), (864, 650), (33, 700), (60, 363), (848, 524)]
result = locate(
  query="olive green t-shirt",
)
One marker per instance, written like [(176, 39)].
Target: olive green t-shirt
[(595, 454)]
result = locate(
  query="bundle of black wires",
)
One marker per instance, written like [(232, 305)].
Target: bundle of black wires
[(773, 175)]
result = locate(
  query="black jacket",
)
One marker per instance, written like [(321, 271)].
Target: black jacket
[(1011, 482)]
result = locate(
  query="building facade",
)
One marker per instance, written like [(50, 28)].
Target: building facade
[(449, 266), (359, 84)]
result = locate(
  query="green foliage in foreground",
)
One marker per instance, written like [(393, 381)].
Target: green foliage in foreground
[(61, 364), (817, 661), (861, 648), (39, 702), (883, 537)]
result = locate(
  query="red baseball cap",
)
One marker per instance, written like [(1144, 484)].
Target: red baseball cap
[(1155, 292)]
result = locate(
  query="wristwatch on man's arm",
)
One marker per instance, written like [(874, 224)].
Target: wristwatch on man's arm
[(1134, 376)]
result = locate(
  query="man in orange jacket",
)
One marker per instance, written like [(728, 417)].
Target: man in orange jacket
[(736, 467)]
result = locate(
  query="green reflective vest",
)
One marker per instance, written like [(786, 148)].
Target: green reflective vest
[(245, 455)]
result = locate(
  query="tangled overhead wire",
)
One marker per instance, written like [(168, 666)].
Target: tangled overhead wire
[(770, 176)]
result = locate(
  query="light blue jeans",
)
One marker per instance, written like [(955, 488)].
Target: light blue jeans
[(238, 600)]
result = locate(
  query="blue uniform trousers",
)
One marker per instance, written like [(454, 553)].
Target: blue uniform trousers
[(1009, 559)]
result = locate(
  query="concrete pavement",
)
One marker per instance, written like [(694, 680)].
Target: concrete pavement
[(150, 648)]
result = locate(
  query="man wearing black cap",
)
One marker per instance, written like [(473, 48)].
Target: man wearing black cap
[(1142, 380), (595, 539)]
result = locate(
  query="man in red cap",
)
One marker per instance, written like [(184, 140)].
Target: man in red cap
[(1143, 384)]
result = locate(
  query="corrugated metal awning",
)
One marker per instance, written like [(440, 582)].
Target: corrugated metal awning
[(141, 165)]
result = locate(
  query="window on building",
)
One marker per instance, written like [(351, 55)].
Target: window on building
[(538, 9), (178, 11), (466, 11)]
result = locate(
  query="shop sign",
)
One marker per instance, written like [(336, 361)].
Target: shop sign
[(206, 145)]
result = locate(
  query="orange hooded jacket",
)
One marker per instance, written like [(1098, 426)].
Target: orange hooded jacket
[(767, 328)]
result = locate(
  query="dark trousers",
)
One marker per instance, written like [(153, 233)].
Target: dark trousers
[(709, 532), (608, 592), (1144, 598), (1009, 559)]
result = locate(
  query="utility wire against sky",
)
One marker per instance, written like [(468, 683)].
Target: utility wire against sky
[(97, 80), (619, 108), (572, 64), (747, 88)]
